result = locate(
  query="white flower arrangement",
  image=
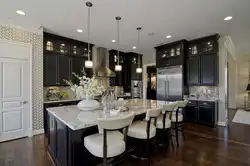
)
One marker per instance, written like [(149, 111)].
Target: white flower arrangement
[(88, 87)]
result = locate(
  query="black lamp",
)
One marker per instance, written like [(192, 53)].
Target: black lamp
[(247, 98), (248, 87)]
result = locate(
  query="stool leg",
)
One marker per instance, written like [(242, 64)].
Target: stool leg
[(176, 134), (182, 129), (171, 139)]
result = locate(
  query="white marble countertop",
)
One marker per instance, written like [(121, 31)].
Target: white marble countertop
[(76, 119), (59, 101), (203, 99)]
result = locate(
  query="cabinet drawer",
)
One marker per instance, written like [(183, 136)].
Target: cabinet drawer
[(206, 103)]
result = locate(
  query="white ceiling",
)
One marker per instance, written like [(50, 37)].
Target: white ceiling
[(186, 19)]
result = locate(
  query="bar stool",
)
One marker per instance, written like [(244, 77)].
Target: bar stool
[(177, 118), (145, 130), (109, 142), (163, 123)]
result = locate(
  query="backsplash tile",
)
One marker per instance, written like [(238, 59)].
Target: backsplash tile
[(204, 91)]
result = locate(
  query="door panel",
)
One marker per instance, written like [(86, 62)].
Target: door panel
[(14, 94), (194, 70), (208, 69), (174, 83), (50, 64), (161, 85), (63, 69)]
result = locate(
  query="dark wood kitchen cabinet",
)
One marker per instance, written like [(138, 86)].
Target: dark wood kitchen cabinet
[(64, 72), (57, 68), (129, 62), (191, 112), (172, 54), (50, 69), (202, 112), (62, 56), (193, 70), (209, 71), (202, 63)]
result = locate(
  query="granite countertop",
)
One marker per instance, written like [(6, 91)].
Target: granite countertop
[(59, 101), (203, 99), (76, 119)]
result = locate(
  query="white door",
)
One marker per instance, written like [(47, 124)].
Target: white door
[(14, 98)]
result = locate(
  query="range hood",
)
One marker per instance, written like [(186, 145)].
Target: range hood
[(100, 59)]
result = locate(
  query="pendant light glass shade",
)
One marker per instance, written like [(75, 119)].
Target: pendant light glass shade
[(118, 68), (89, 63), (138, 70)]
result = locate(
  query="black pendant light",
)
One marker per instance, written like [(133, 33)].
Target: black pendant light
[(89, 63), (139, 69), (118, 67)]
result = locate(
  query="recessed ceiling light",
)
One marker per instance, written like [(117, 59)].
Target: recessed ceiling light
[(228, 18), (168, 36), (20, 12), (113, 41), (79, 30), (134, 47)]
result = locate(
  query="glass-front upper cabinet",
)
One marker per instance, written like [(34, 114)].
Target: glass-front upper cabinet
[(80, 49), (49, 46), (61, 47), (209, 46), (194, 49)]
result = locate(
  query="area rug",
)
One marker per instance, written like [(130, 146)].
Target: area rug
[(242, 116)]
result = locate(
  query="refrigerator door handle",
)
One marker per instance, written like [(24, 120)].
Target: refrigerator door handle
[(165, 89)]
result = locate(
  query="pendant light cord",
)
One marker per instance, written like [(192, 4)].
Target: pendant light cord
[(88, 33), (139, 61), (118, 41)]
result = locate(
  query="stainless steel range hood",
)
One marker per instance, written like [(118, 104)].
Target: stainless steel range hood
[(100, 59)]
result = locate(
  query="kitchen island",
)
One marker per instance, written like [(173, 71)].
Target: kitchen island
[(68, 126)]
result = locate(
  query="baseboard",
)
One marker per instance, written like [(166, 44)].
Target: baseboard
[(224, 123), (37, 132)]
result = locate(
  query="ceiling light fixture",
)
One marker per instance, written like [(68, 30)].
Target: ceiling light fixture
[(139, 69), (134, 47), (228, 18), (113, 41), (20, 12), (79, 30), (168, 36), (89, 63), (118, 67)]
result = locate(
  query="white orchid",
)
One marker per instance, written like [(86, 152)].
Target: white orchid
[(88, 87)]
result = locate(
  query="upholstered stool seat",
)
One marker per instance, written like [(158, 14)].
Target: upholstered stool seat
[(109, 142), (174, 119), (115, 142), (138, 130)]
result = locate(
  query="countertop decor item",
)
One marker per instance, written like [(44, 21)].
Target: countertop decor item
[(87, 90)]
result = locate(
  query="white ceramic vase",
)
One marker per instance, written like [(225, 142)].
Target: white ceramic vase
[(88, 104)]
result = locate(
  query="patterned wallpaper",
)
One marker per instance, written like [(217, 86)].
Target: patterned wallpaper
[(37, 68)]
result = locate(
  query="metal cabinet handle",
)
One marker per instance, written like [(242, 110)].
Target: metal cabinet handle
[(24, 102)]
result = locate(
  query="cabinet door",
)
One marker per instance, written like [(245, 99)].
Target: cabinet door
[(50, 71), (205, 115), (209, 69), (63, 69), (210, 46), (77, 65), (194, 49), (52, 133), (61, 143), (193, 70), (190, 113)]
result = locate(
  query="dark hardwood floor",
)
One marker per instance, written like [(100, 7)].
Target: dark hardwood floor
[(203, 147)]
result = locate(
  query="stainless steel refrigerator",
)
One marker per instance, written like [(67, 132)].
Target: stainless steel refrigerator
[(170, 83)]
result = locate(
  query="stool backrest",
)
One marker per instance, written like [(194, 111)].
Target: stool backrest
[(115, 123), (169, 107), (153, 113), (182, 104)]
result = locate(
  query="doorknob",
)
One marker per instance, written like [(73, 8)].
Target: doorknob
[(24, 102)]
